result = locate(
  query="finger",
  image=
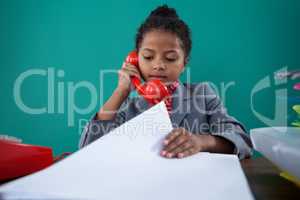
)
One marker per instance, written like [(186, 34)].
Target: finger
[(169, 138), (130, 67), (133, 70), (175, 144), (124, 74), (181, 148), (187, 152), (172, 135), (131, 73)]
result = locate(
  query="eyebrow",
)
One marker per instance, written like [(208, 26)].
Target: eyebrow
[(168, 51)]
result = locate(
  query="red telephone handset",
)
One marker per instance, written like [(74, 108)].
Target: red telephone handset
[(154, 91)]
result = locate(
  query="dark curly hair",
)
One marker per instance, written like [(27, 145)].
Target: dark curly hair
[(166, 19)]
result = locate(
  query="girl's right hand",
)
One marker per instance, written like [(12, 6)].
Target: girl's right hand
[(124, 82)]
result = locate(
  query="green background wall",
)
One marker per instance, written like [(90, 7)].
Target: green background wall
[(233, 40)]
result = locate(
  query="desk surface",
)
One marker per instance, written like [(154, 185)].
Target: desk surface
[(265, 182)]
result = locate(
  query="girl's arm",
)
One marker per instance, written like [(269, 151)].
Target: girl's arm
[(112, 105), (217, 144), (226, 135), (110, 116)]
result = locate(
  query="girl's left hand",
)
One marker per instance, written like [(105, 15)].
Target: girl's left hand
[(181, 143)]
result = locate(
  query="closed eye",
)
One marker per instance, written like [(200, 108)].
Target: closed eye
[(148, 57), (171, 59)]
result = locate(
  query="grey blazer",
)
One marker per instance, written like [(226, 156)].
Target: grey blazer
[(196, 107)]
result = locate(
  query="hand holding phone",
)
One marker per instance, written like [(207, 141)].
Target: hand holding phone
[(153, 91)]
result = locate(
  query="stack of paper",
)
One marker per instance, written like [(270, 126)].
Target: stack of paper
[(125, 164)]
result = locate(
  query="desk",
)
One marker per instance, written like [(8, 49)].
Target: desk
[(265, 182)]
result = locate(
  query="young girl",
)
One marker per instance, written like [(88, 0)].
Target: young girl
[(200, 121)]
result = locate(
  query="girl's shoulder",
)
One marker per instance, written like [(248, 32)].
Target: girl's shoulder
[(204, 88)]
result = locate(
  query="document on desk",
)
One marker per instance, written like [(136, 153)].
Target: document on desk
[(125, 164)]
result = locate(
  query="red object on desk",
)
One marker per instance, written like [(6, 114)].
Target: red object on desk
[(17, 159)]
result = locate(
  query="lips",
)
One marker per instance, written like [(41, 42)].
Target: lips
[(157, 77)]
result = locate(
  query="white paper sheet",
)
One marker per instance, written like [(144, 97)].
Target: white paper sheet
[(125, 164)]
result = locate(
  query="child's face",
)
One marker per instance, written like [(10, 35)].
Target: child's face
[(161, 56)]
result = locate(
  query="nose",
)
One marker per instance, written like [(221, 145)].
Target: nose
[(159, 66)]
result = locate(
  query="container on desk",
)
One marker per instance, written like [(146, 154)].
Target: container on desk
[(281, 145)]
